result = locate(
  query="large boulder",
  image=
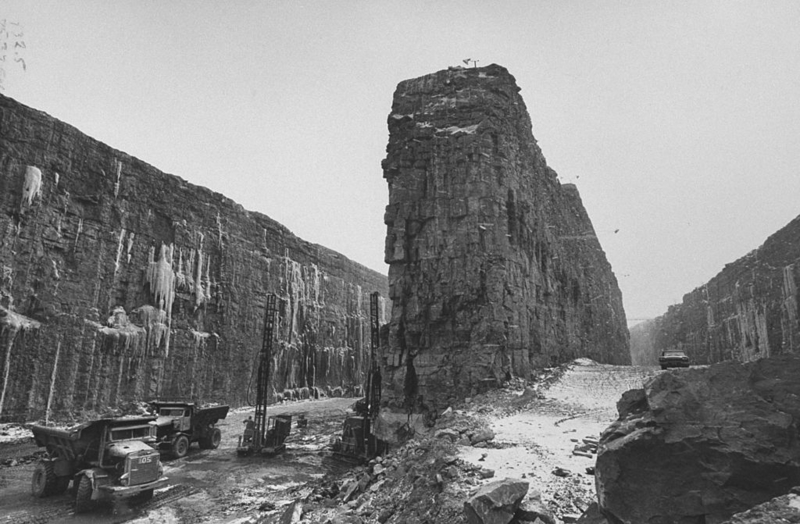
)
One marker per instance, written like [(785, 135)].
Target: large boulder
[(708, 443), (496, 502)]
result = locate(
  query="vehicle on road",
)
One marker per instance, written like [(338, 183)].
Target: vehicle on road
[(181, 423), (106, 459), (673, 358)]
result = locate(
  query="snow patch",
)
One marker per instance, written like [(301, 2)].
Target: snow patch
[(470, 130)]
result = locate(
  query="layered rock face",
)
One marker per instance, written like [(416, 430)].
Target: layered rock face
[(120, 282), (495, 269), (701, 444), (747, 311)]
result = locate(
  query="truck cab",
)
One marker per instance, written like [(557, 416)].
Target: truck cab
[(106, 459)]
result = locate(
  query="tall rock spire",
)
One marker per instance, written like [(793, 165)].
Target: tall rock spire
[(495, 268)]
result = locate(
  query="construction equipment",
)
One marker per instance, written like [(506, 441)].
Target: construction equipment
[(265, 435), (107, 459), (357, 441), (181, 423)]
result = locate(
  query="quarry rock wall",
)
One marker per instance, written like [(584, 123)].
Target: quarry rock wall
[(494, 266), (749, 310), (119, 282)]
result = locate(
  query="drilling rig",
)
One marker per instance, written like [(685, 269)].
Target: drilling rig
[(358, 441), (265, 435)]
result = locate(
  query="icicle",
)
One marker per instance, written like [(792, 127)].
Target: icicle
[(155, 325), (52, 384), (199, 297), (219, 229), (189, 268), (119, 174), (180, 277), (32, 186), (12, 323), (207, 292), (78, 233), (119, 250), (162, 279), (130, 245)]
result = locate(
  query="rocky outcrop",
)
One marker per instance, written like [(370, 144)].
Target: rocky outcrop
[(747, 311), (120, 282), (495, 502), (494, 266), (701, 444), (780, 510)]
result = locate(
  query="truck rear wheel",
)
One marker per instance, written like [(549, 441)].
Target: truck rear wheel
[(83, 495), (180, 447), (212, 439), (45, 482)]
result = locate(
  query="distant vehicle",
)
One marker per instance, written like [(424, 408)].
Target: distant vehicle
[(181, 423), (673, 358), (107, 459)]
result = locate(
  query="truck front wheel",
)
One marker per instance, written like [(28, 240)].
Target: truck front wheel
[(44, 482), (212, 439), (144, 496), (83, 495), (180, 447)]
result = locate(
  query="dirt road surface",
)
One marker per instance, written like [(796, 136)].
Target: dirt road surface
[(205, 486), (535, 437), (538, 440)]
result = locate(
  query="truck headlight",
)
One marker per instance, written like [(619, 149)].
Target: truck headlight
[(124, 479)]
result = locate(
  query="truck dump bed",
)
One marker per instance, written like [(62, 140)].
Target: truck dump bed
[(77, 439), (213, 413)]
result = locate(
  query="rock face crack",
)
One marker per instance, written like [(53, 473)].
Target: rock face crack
[(494, 266)]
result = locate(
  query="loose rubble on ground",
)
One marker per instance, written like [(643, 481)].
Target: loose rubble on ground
[(526, 453)]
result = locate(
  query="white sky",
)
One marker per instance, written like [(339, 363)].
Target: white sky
[(678, 121)]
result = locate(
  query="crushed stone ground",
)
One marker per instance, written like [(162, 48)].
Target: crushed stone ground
[(536, 428)]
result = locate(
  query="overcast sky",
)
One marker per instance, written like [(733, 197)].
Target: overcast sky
[(679, 122)]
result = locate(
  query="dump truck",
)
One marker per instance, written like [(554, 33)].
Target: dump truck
[(106, 459), (182, 423)]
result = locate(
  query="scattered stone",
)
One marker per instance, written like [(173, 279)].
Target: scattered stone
[(592, 515), (561, 472), (292, 514), (532, 509), (486, 473), (482, 435), (783, 509), (447, 433), (496, 502)]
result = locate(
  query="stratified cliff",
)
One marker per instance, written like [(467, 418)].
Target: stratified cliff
[(120, 282), (495, 268), (747, 311)]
